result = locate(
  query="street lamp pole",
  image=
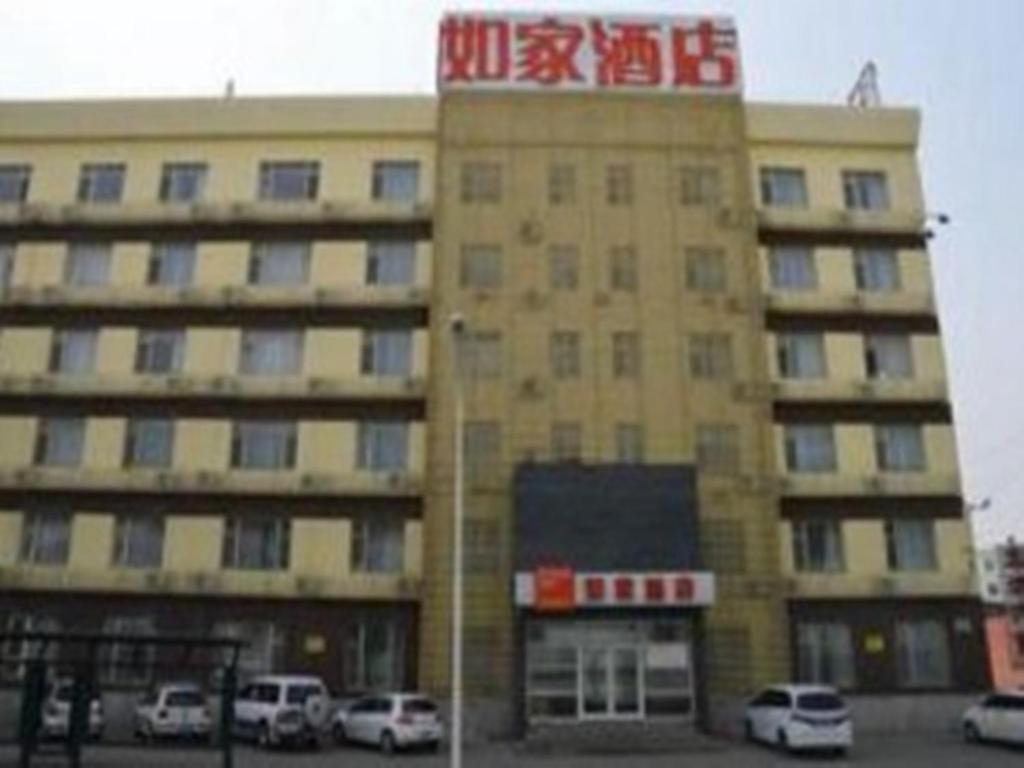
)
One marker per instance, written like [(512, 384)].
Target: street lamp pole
[(457, 325)]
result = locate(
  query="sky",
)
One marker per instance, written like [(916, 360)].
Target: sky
[(961, 63)]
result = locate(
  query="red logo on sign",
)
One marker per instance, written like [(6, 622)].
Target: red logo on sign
[(555, 589)]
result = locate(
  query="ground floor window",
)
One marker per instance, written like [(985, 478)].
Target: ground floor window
[(825, 654), (375, 654), (263, 650), (129, 663), (15, 653), (922, 654), (609, 669)]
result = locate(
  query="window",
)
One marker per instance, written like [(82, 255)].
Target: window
[(159, 351), (922, 654), (279, 263), (899, 448), (256, 543), (6, 265), (87, 264), (705, 270), (59, 442), (386, 353), (783, 187), (565, 354), (377, 541), (818, 546), (390, 262), (629, 443), (14, 181), (480, 266), (865, 191), (564, 266), (138, 541), (480, 182), (566, 441), (263, 445), (623, 268), (718, 447), (810, 448), (149, 443), (383, 446), (182, 182), (825, 654), (699, 185), (561, 184), (171, 264), (101, 183), (298, 180), (876, 270), (482, 541), (482, 448), (271, 352), (711, 356), (625, 355), (375, 651), (73, 351), (619, 184), (45, 537), (15, 652), (888, 357), (396, 181), (800, 355), (481, 354), (124, 663), (910, 545), (792, 268), (263, 648)]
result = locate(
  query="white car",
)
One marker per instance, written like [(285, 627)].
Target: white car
[(282, 709), (391, 721), (56, 718), (800, 717), (176, 710), (997, 717)]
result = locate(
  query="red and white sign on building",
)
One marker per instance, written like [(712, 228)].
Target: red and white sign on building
[(483, 51), (559, 589)]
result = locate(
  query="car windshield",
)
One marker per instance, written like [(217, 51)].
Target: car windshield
[(297, 694), (185, 699), (819, 702), (419, 707)]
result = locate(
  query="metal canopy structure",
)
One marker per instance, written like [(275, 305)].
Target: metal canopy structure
[(80, 653)]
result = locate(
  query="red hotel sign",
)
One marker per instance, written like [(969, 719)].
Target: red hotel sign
[(555, 589), (483, 51), (560, 589)]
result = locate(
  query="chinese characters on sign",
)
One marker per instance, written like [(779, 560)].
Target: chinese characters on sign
[(559, 53)]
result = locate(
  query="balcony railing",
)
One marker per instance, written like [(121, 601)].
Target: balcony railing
[(874, 390), (881, 484), (369, 388), (281, 584), (236, 482), (344, 218), (202, 297), (824, 224), (904, 584), (818, 303)]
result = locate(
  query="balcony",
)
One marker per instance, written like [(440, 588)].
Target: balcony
[(269, 584), (228, 220), (816, 303), (829, 484), (907, 584), (222, 483), (837, 226), (874, 390)]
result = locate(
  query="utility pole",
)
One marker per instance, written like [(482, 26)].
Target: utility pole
[(457, 326)]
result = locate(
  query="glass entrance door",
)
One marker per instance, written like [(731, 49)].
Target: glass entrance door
[(610, 682)]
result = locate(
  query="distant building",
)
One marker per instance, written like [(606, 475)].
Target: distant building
[(1004, 615)]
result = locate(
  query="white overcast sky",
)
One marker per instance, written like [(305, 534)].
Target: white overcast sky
[(962, 63)]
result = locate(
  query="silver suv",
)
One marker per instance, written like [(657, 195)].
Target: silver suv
[(282, 709)]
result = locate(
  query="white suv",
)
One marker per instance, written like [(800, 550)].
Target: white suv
[(282, 709)]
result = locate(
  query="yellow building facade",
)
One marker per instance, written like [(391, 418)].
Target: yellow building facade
[(226, 376)]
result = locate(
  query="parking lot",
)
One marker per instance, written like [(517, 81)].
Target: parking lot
[(924, 751)]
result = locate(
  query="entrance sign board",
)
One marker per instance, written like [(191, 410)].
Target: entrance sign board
[(543, 52)]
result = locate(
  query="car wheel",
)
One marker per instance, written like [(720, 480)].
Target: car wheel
[(971, 733), (338, 731), (387, 743), (146, 733), (263, 736), (748, 730)]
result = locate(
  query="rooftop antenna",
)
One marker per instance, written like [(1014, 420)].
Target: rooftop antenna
[(865, 93), (229, 89)]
